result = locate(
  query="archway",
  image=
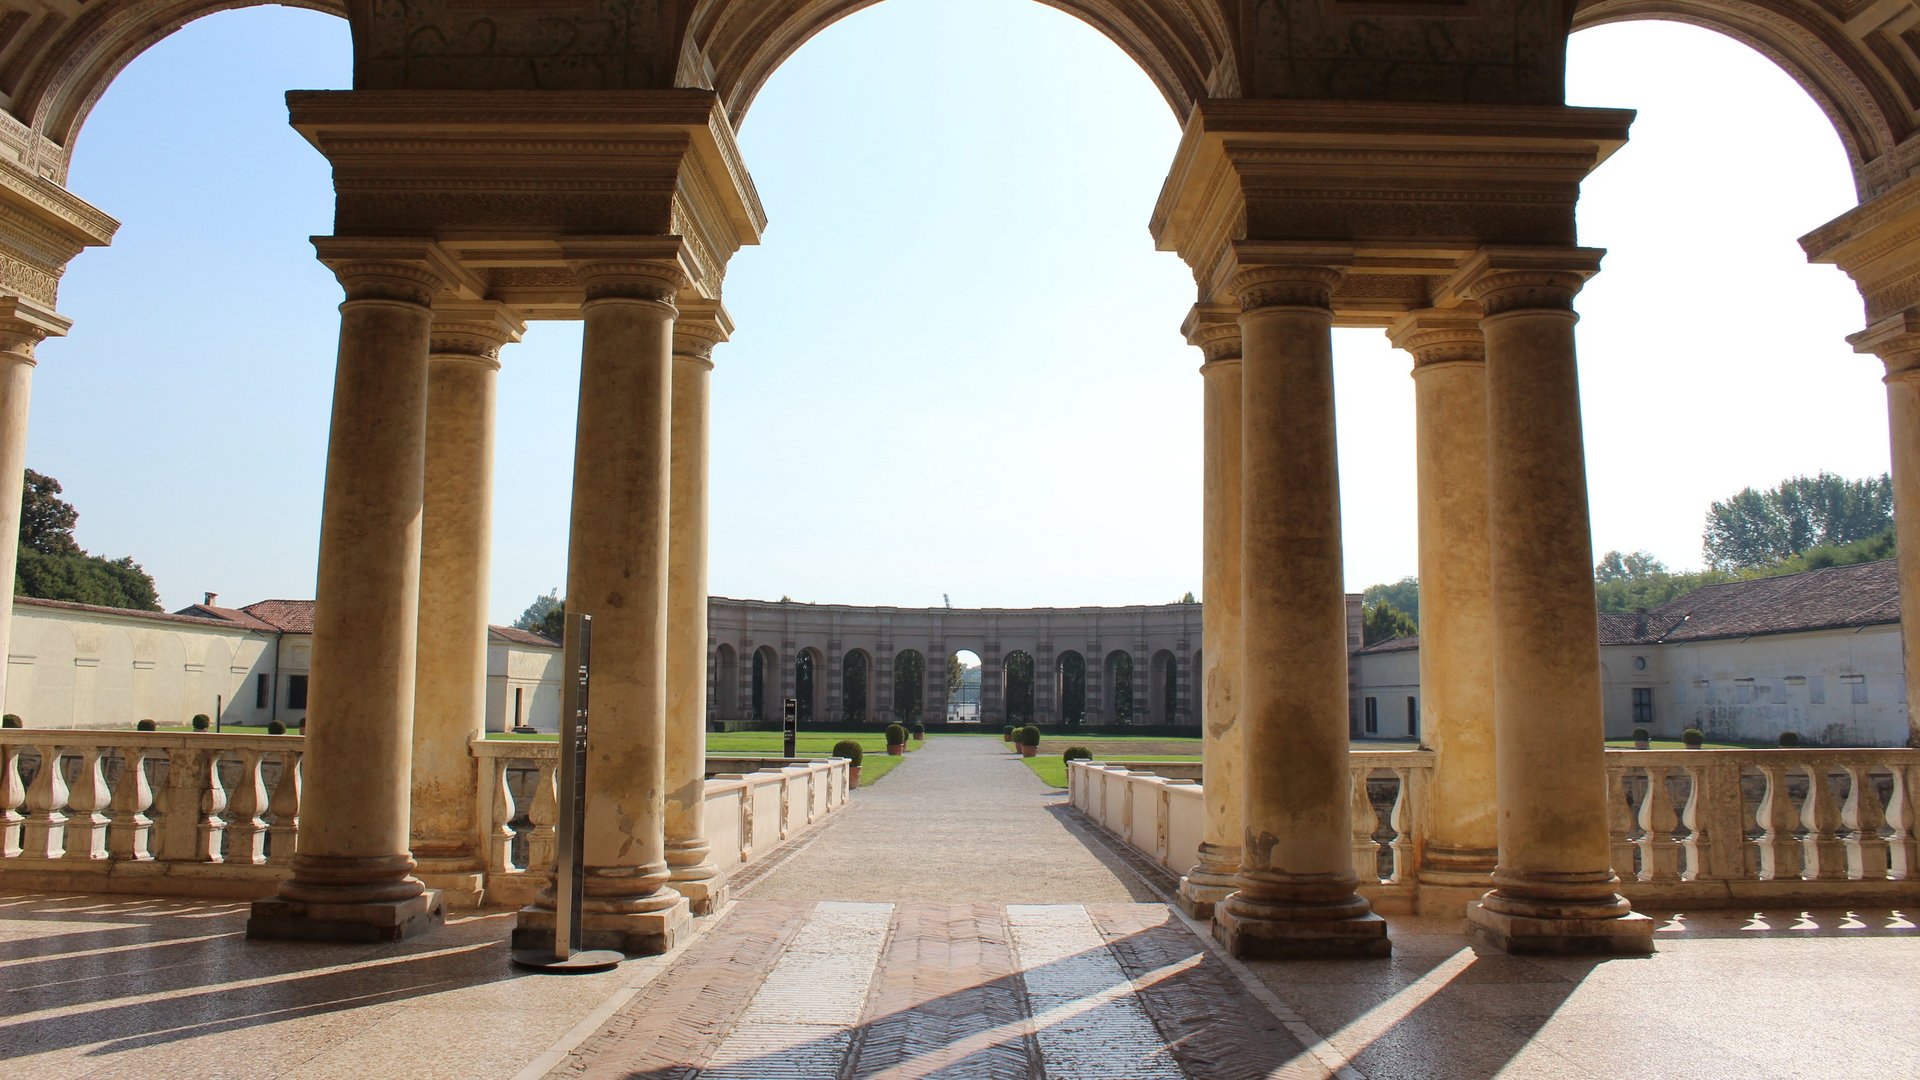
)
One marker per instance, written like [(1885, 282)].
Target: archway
[(726, 683), (909, 685), (964, 672), (1163, 689), (856, 686), (766, 684), (1118, 685), (1019, 676), (1070, 686), (809, 684)]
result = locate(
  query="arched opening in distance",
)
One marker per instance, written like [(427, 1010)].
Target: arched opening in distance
[(1070, 686), (1018, 673), (909, 685), (1163, 689), (1119, 685), (766, 684), (856, 686), (726, 683), (963, 687), (809, 685)]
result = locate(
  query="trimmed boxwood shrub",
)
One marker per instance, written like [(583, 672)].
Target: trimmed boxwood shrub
[(275, 727), (1008, 737), (1641, 734), (896, 735), (1029, 736), (12, 720), (919, 729), (1076, 753), (1789, 738), (146, 725), (1693, 737), (201, 721), (849, 749)]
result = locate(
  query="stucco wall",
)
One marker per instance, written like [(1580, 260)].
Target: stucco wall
[(1389, 678)]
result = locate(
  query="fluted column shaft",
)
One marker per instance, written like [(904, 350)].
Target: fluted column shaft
[(450, 691), (1897, 342), (689, 854), (1554, 887), (1296, 884), (1456, 613), (1217, 333), (353, 855)]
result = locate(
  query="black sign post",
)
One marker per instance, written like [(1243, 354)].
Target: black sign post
[(566, 956), (790, 725)]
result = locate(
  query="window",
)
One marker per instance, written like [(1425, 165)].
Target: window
[(260, 690), (1816, 690), (1643, 706), (1373, 716), (1858, 685), (296, 691), (1413, 715), (1743, 691)]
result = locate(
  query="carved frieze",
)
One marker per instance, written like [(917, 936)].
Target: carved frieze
[(516, 44)]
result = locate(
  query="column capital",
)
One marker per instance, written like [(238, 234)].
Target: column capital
[(473, 332), (1896, 341), (407, 269), (1283, 282), (628, 267), (23, 326), (1214, 329), (702, 325), (1522, 278), (1436, 336)]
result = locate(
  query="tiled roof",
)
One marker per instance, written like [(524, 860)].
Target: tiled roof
[(1633, 627), (521, 637), (286, 616), (1399, 644), (234, 615), (133, 613), (1864, 594)]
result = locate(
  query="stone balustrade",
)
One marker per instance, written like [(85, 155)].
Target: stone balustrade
[(1701, 828), (217, 814)]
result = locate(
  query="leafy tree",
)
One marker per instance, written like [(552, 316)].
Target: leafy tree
[(1384, 622), (909, 686), (546, 615), (1404, 595), (1756, 529), (1122, 687), (1189, 598), (956, 675), (53, 566), (1019, 689)]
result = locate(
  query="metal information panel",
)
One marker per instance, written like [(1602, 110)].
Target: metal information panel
[(790, 725), (570, 831)]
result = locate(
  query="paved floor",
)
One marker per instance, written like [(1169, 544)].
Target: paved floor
[(1043, 953)]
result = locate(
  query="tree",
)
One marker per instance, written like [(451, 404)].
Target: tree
[(52, 565), (909, 686), (1756, 529), (1384, 622), (1637, 580), (1403, 595), (956, 675), (1189, 598), (1019, 687), (546, 615)]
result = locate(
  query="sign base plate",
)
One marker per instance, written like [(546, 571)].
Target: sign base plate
[(583, 962)]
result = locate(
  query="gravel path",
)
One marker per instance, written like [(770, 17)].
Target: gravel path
[(961, 820)]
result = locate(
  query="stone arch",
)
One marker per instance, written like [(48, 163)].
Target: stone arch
[(1019, 677), (810, 684), (909, 685), (1163, 688), (55, 86), (766, 684), (1184, 46), (1070, 686), (856, 686), (1117, 686), (726, 683), (1869, 89)]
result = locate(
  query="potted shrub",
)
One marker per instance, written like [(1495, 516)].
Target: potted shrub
[(849, 749), (1076, 753), (1789, 738), (896, 740), (201, 721), (1008, 737), (919, 731), (1693, 737), (1642, 738), (1029, 741), (146, 725), (12, 720), (275, 727)]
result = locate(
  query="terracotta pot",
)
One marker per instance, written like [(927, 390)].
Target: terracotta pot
[(919, 737), (1642, 744), (1029, 751), (896, 749), (853, 777)]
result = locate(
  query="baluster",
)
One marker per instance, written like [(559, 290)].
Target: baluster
[(246, 829), (543, 813), (128, 826), (13, 795), (1749, 822), (498, 841), (1660, 852), (1866, 848), (209, 826), (1620, 823), (1780, 856), (1903, 848), (86, 825), (1821, 851), (1398, 819), (1694, 846), (43, 835), (283, 834), (1366, 851)]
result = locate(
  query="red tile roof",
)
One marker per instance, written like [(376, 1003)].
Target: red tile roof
[(286, 616), (516, 636), (134, 613), (235, 615)]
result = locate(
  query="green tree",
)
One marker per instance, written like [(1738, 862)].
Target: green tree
[(1403, 595), (1756, 529), (52, 565), (1122, 664), (956, 675), (546, 615), (1189, 598), (1019, 688), (909, 686), (1384, 622)]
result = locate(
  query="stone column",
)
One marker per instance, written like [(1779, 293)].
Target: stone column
[(21, 330), (1896, 341), (617, 572), (689, 856), (1456, 611), (1216, 332), (456, 533), (1554, 887), (352, 878), (1296, 884)]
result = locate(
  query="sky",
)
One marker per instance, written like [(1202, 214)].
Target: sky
[(957, 371)]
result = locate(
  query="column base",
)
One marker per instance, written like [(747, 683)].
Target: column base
[(1199, 897), (1624, 935), (645, 933), (704, 896), (462, 886), (279, 919), (1360, 937)]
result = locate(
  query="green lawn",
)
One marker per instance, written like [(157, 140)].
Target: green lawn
[(1052, 769), (1675, 744), (227, 729)]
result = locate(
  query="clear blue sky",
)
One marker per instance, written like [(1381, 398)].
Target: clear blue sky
[(958, 367)]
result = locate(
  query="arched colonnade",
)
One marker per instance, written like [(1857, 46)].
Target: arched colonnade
[(1351, 164)]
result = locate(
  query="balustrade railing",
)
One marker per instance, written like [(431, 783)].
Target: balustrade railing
[(220, 811)]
